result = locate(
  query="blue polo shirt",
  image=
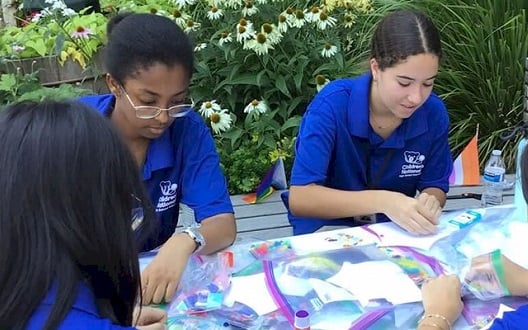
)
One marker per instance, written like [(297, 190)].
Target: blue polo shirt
[(82, 316), (181, 166), (336, 141)]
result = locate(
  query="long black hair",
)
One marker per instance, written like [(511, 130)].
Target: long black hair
[(68, 189)]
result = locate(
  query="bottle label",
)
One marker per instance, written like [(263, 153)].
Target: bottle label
[(494, 174)]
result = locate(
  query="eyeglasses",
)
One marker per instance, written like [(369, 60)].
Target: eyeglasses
[(149, 112)]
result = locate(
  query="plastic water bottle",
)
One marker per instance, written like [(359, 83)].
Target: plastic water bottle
[(493, 180)]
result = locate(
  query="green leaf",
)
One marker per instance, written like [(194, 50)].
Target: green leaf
[(8, 82), (280, 83)]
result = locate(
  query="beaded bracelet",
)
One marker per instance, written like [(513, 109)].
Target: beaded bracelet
[(427, 316)]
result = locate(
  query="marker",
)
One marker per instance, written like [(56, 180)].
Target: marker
[(302, 320)]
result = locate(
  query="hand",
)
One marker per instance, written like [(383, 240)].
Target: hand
[(160, 278), (149, 316), (441, 296), (418, 216), (514, 275)]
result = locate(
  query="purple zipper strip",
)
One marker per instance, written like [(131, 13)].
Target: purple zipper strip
[(278, 298), (368, 319), (369, 230), (432, 262)]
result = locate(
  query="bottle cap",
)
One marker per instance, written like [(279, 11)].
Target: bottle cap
[(496, 152), (302, 320)]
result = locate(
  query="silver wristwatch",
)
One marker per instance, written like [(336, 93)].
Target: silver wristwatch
[(194, 233)]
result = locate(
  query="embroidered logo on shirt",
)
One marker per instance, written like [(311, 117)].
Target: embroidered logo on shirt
[(413, 166), (168, 198)]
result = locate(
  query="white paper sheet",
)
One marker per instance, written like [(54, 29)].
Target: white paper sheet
[(375, 280), (391, 234), (252, 291)]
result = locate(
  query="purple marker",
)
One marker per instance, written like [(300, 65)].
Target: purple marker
[(302, 320)]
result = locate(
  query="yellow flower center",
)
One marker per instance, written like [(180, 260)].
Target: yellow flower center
[(80, 29), (328, 46), (249, 4), (190, 23), (176, 13), (320, 79), (289, 11), (266, 27), (261, 38), (299, 14), (282, 18), (241, 29), (214, 9), (242, 22), (153, 10), (224, 35), (314, 9), (215, 118), (323, 16), (208, 105), (254, 102)]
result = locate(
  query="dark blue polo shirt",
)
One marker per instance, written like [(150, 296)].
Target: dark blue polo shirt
[(82, 316), (335, 137), (182, 165)]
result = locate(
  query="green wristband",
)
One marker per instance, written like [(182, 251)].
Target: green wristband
[(496, 261)]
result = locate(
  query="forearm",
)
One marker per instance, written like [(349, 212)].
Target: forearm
[(438, 193), (516, 277), (327, 203), (219, 232)]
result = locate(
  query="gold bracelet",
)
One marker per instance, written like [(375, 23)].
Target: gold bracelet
[(427, 316), (432, 324)]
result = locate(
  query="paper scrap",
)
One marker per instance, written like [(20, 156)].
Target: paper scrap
[(377, 280), (252, 291)]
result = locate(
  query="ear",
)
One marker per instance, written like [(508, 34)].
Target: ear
[(113, 85), (374, 69)]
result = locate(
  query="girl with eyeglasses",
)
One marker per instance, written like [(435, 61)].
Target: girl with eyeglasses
[(149, 61)]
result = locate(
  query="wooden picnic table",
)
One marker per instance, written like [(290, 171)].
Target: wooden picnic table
[(269, 220)]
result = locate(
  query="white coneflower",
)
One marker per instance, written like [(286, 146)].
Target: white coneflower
[(289, 13), (256, 107), (220, 121), (320, 82), (298, 20), (215, 13), (349, 20), (329, 50), (260, 44), (249, 9), (201, 46), (323, 20), (233, 4), (245, 30), (183, 3), (17, 48), (81, 32), (271, 32), (224, 38), (180, 18), (208, 107), (283, 24), (191, 25), (312, 14)]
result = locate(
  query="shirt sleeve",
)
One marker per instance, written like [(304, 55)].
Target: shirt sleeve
[(315, 141), (204, 185), (439, 162), (516, 320)]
